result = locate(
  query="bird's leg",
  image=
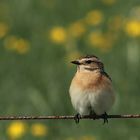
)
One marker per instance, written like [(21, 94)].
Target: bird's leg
[(77, 118), (105, 116), (93, 114)]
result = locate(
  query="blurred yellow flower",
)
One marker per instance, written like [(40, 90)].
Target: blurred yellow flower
[(22, 46), (9, 43), (39, 130), (96, 39), (99, 40), (87, 138), (16, 129), (94, 17), (77, 29), (115, 23), (109, 2), (3, 29), (19, 45), (70, 138), (132, 28), (58, 35)]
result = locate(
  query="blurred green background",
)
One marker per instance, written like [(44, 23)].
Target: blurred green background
[(39, 38)]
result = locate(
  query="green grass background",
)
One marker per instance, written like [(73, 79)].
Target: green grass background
[(37, 83)]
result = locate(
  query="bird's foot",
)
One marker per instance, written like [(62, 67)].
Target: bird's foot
[(105, 116), (93, 115), (77, 118)]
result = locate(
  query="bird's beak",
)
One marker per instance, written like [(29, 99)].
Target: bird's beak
[(76, 62)]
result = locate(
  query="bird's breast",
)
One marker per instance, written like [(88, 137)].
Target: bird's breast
[(89, 81), (95, 90)]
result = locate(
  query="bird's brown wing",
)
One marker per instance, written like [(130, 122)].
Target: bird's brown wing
[(105, 74)]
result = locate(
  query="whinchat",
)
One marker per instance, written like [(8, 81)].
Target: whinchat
[(91, 89)]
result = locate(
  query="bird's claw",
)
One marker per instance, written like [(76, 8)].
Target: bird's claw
[(93, 115), (77, 118), (105, 118)]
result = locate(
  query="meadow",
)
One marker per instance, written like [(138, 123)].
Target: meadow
[(39, 38)]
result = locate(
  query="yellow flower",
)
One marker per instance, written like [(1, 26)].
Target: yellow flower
[(16, 129), (132, 28), (99, 40), (115, 23), (39, 130), (96, 38), (77, 29), (10, 42), (3, 29), (109, 2), (94, 17), (87, 138), (22, 46), (58, 35), (17, 44)]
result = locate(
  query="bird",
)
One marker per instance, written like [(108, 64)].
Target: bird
[(91, 90)]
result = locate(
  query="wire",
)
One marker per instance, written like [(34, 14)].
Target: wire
[(130, 116)]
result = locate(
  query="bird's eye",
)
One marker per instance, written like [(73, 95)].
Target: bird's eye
[(88, 61)]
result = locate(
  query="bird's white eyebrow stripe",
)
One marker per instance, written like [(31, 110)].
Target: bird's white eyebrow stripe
[(86, 59), (92, 59)]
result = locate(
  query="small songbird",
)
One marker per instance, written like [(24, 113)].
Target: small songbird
[(91, 88)]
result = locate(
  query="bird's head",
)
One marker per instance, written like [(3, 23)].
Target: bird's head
[(89, 63)]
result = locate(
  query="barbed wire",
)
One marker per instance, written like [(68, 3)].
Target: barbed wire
[(129, 116)]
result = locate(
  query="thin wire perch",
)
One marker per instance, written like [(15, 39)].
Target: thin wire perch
[(129, 116)]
